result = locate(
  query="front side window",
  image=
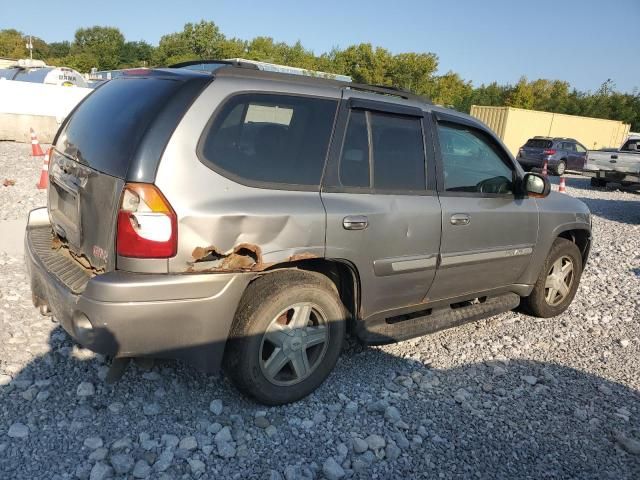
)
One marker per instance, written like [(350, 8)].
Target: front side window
[(271, 138), (395, 150), (472, 162), (580, 148)]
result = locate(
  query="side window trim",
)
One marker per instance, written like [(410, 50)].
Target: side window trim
[(439, 118)]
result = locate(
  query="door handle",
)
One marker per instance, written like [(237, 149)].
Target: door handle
[(614, 157), (460, 219), (355, 222)]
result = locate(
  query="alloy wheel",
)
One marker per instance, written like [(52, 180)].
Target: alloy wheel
[(294, 344), (559, 281)]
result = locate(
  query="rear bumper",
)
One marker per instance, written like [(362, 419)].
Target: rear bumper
[(535, 162), (613, 176), (122, 314)]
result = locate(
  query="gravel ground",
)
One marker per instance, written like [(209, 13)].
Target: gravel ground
[(17, 164), (508, 397)]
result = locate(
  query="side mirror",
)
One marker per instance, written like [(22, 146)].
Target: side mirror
[(536, 185)]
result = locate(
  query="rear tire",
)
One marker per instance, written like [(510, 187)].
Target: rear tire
[(561, 272), (287, 336), (560, 168)]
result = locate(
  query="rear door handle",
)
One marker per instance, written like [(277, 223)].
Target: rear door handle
[(460, 219), (355, 222)]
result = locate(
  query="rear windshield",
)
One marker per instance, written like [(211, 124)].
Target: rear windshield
[(538, 143), (106, 128)]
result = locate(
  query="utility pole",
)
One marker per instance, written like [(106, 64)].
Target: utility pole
[(30, 47)]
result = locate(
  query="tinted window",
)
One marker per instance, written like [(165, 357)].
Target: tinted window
[(631, 145), (354, 162), (538, 143), (569, 147), (106, 128), (398, 152), (472, 162), (271, 138)]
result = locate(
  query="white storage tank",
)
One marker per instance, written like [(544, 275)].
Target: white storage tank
[(36, 71)]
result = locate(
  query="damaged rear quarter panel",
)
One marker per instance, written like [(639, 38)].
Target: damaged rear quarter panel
[(217, 216)]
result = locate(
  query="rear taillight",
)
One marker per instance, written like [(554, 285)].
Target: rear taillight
[(549, 151), (147, 225)]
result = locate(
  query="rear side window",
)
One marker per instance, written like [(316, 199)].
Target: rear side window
[(538, 143), (396, 151), (106, 128), (269, 138)]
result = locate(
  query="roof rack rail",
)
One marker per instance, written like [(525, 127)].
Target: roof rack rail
[(231, 63), (388, 90), (214, 65)]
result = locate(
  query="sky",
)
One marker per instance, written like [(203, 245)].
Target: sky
[(584, 42)]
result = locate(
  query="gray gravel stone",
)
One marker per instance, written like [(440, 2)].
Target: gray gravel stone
[(332, 470), (188, 443), (122, 463), (359, 445), (215, 407), (197, 466), (164, 460), (629, 444), (18, 430), (93, 442), (100, 471), (85, 389), (152, 409), (141, 469), (375, 442), (98, 454), (261, 422)]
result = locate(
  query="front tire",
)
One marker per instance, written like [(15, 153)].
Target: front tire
[(287, 336), (558, 282)]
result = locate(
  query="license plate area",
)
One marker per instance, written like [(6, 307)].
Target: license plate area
[(64, 208)]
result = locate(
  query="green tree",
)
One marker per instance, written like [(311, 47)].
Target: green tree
[(105, 44), (13, 45), (136, 54), (59, 49), (451, 90), (522, 95), (413, 71), (364, 63), (81, 61)]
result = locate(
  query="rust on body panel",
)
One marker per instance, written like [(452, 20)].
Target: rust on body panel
[(245, 257)]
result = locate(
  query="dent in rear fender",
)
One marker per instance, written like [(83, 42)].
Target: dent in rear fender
[(216, 214)]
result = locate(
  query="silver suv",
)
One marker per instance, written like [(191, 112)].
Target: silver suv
[(250, 219)]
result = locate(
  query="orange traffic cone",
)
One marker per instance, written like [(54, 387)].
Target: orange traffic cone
[(44, 173), (36, 151), (544, 168), (563, 186)]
